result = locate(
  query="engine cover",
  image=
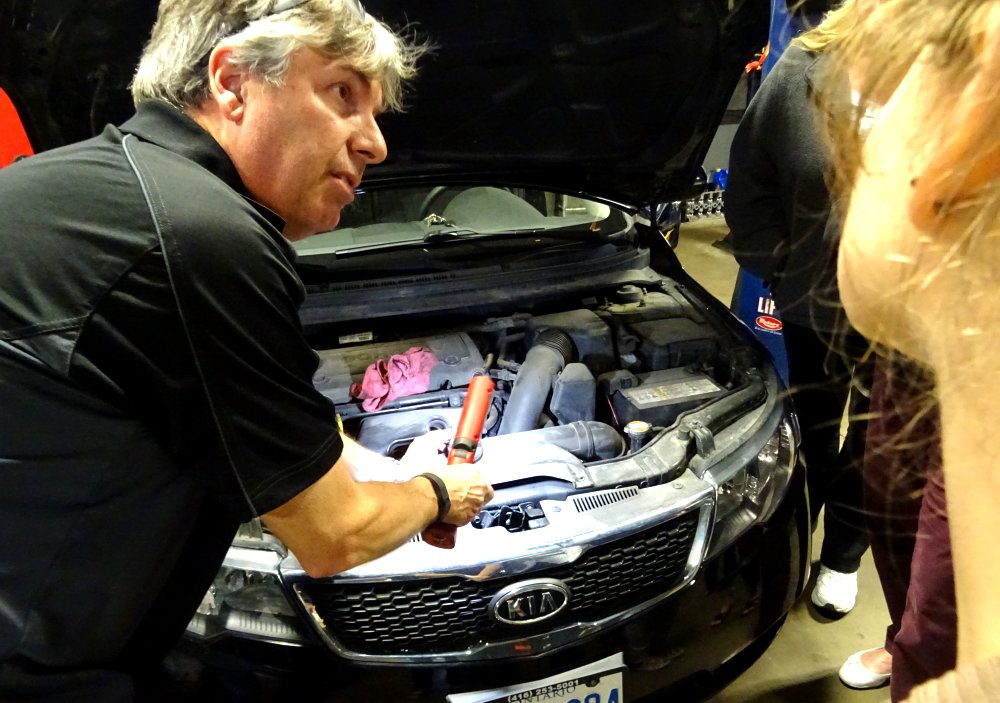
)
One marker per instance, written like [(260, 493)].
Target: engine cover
[(457, 355)]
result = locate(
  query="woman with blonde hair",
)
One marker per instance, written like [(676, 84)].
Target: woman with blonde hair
[(919, 265)]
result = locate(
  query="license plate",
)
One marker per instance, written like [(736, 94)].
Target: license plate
[(600, 682)]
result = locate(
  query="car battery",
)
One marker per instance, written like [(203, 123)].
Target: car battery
[(661, 396)]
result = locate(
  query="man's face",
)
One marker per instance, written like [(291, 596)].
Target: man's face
[(303, 147)]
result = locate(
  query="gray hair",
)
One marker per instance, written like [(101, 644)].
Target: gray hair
[(173, 67)]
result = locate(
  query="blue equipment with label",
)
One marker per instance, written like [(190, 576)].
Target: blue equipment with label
[(752, 301)]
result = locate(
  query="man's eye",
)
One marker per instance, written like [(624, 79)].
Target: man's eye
[(342, 91)]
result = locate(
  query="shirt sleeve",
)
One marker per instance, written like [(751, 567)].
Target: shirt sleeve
[(239, 298), (203, 340), (754, 208)]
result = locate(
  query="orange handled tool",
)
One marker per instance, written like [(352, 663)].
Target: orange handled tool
[(463, 449)]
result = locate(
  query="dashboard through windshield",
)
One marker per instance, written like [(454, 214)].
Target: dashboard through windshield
[(380, 219)]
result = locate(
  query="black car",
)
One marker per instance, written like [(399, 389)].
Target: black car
[(650, 521)]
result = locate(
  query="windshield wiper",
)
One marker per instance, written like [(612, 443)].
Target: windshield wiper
[(576, 234), (450, 234)]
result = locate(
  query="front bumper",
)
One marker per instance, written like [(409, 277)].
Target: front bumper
[(737, 597)]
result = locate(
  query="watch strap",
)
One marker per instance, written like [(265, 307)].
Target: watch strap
[(441, 493)]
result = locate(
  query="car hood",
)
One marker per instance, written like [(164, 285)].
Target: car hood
[(615, 100)]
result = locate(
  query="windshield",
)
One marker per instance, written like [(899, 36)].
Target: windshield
[(422, 215)]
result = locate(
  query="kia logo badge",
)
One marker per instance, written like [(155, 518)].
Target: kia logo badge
[(528, 602)]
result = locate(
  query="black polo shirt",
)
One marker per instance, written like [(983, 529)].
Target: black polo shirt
[(155, 388)]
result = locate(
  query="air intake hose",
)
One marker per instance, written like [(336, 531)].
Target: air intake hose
[(587, 440), (552, 351)]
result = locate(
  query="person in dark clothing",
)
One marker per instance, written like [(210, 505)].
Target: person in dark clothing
[(785, 231), (907, 514), (155, 382)]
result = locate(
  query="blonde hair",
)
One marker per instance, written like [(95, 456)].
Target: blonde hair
[(173, 66), (837, 24), (945, 35), (885, 49)]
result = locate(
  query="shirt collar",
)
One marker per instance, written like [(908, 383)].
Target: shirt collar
[(164, 125)]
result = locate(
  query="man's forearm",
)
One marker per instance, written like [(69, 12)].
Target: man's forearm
[(348, 517), (338, 522), (385, 516)]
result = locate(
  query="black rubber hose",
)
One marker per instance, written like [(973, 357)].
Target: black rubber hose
[(552, 351)]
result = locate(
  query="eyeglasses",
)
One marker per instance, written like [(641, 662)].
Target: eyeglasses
[(279, 7), (286, 5)]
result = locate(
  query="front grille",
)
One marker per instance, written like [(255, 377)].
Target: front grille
[(438, 615)]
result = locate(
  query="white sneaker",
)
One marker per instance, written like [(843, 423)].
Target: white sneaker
[(856, 675), (835, 591)]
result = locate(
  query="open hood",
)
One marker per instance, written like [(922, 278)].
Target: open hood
[(613, 99)]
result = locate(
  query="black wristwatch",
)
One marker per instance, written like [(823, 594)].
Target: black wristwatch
[(441, 492)]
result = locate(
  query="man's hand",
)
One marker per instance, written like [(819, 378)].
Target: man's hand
[(347, 518), (468, 490)]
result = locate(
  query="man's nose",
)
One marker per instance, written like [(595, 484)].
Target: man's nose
[(368, 141)]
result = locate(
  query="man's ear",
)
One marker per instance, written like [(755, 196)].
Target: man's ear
[(227, 83), (968, 158)]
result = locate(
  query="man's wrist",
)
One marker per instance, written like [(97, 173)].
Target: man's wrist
[(440, 493)]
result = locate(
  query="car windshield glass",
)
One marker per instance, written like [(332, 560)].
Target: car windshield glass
[(426, 215)]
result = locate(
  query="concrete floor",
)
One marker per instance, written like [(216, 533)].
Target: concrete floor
[(801, 664)]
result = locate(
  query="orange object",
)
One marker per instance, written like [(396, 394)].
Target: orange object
[(758, 63), (13, 139), (463, 449)]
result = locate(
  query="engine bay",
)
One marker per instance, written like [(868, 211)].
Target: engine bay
[(573, 389)]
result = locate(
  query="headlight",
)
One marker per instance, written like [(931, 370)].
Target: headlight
[(246, 599), (753, 492)]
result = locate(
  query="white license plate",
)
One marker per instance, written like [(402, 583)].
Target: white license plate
[(600, 682)]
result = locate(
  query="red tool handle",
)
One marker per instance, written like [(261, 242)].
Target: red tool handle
[(13, 140), (463, 449)]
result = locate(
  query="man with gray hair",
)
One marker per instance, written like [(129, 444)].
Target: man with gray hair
[(155, 379)]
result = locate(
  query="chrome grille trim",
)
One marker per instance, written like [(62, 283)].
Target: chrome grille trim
[(587, 620)]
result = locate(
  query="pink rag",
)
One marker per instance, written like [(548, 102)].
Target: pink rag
[(404, 374)]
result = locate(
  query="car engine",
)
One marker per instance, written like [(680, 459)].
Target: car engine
[(572, 388)]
